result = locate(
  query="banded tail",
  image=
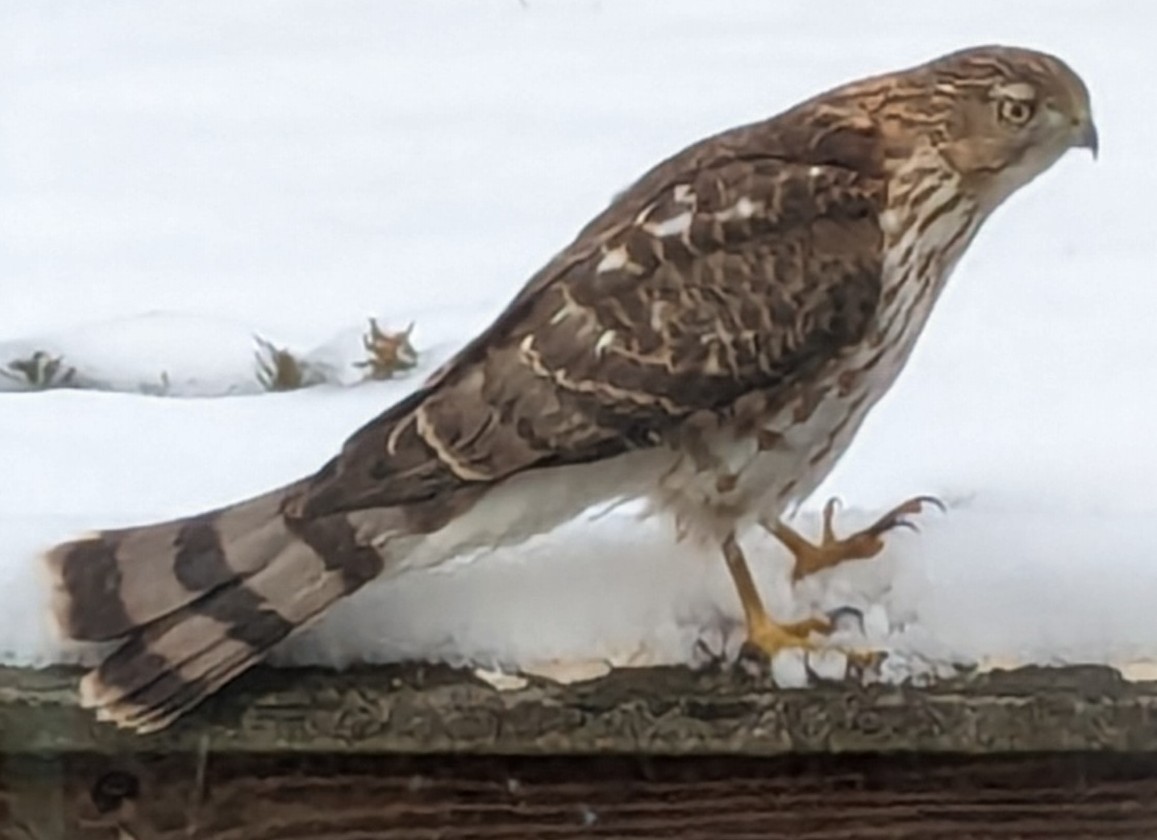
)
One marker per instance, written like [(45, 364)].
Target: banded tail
[(197, 601)]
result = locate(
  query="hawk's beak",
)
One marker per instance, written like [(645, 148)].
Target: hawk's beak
[(1085, 136)]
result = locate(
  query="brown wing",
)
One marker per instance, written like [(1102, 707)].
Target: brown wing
[(733, 267)]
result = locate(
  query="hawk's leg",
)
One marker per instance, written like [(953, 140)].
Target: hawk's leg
[(832, 550), (763, 632)]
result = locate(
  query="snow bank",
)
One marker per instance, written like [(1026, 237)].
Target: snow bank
[(279, 169)]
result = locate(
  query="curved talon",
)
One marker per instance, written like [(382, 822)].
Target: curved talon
[(769, 636), (832, 550), (934, 501), (895, 518), (830, 507), (916, 504), (883, 526)]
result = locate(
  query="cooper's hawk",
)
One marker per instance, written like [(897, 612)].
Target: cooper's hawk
[(710, 343)]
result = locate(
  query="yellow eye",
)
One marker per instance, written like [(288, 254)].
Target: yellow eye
[(1016, 111)]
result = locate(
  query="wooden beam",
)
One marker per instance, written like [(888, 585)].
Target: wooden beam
[(1057, 796), (671, 711)]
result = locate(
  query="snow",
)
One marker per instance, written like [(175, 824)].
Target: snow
[(174, 183), (178, 355)]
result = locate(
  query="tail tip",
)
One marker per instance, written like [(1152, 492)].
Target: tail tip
[(94, 694), (53, 573)]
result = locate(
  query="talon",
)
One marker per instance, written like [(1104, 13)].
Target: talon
[(895, 518), (916, 505), (831, 506), (832, 550), (934, 501), (884, 526)]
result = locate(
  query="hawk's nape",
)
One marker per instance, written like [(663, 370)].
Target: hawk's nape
[(710, 342)]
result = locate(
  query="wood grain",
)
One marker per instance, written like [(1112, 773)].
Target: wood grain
[(662, 711), (422, 752), (1050, 797)]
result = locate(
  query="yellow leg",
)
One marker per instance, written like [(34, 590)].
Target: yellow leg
[(832, 550), (764, 633)]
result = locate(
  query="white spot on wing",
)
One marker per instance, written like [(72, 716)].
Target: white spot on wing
[(744, 208), (613, 260), (565, 311), (658, 313), (670, 227), (605, 341)]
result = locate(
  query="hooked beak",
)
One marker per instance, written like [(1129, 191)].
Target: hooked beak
[(1085, 136)]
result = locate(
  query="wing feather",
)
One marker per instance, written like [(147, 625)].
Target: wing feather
[(732, 268)]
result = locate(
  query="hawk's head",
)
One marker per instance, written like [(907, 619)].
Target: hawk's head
[(999, 115)]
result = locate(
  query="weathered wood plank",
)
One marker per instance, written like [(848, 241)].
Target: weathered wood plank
[(654, 711), (262, 797)]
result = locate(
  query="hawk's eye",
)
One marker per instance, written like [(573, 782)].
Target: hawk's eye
[(1016, 111)]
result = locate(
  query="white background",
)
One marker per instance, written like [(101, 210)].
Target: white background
[(176, 177)]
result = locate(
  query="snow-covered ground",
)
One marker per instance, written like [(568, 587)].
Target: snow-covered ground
[(175, 179)]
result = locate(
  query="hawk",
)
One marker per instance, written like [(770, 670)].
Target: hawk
[(710, 343)]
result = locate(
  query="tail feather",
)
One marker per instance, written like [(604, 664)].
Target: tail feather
[(137, 689), (135, 685), (198, 601), (109, 583)]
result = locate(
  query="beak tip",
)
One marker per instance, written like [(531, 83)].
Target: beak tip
[(1089, 139)]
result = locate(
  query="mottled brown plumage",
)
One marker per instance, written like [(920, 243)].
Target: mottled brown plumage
[(710, 342)]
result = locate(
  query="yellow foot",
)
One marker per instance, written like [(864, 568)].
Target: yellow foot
[(764, 634), (832, 550), (770, 638)]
